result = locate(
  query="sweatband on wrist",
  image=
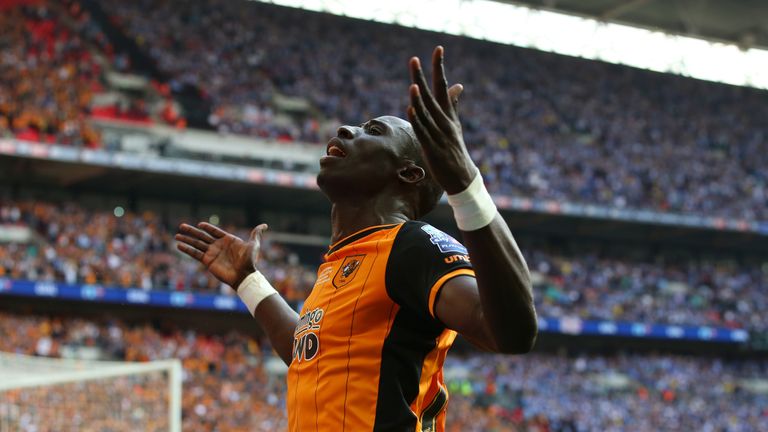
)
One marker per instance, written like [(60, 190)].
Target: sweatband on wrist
[(473, 208), (253, 289)]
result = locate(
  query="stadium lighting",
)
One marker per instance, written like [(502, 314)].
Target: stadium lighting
[(562, 34)]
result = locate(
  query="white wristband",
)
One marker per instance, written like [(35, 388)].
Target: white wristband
[(253, 289), (473, 208)]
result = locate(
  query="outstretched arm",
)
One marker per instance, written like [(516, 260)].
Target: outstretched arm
[(231, 259), (495, 310)]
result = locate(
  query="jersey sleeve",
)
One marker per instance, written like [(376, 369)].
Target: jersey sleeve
[(422, 260)]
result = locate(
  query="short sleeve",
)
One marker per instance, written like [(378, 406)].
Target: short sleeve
[(421, 261)]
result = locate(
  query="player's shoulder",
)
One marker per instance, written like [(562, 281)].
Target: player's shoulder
[(421, 235), (422, 259)]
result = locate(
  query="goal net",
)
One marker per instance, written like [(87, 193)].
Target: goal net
[(43, 394)]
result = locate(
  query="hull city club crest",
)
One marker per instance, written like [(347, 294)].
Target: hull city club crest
[(348, 270)]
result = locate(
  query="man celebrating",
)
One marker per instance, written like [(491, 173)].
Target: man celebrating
[(367, 351)]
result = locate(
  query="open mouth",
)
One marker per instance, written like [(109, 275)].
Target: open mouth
[(334, 149)]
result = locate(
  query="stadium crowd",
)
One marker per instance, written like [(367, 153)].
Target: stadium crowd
[(127, 404), (227, 388), (52, 72), (541, 125), (135, 250), (48, 76), (597, 285), (549, 393), (76, 245)]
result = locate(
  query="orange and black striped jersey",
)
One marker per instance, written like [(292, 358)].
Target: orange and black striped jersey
[(368, 350)]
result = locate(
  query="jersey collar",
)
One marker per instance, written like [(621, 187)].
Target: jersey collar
[(357, 236)]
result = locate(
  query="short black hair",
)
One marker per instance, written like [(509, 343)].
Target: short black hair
[(429, 191)]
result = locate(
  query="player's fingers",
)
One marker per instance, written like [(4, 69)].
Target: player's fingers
[(430, 103), (258, 231), (421, 112), (197, 244), (189, 250), (421, 131), (439, 81), (213, 230), (196, 233)]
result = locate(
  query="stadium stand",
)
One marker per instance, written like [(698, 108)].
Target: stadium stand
[(606, 393), (224, 386), (70, 244), (583, 131), (228, 387), (541, 126), (75, 245), (47, 79)]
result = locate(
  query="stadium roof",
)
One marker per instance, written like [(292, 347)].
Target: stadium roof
[(604, 38), (742, 22)]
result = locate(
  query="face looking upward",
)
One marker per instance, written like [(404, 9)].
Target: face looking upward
[(363, 161)]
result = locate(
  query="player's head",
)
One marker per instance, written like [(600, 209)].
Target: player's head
[(381, 157)]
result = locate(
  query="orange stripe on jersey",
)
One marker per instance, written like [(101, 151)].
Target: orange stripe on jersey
[(431, 386), (439, 284)]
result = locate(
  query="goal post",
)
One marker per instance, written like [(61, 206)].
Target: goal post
[(38, 393)]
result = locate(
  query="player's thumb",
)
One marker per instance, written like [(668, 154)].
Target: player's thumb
[(257, 232), (453, 95)]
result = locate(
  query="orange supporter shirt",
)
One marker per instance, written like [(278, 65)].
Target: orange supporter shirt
[(368, 351)]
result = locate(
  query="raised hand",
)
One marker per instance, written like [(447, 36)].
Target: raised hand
[(229, 258), (435, 120)]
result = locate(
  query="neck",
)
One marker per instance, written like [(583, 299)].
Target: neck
[(348, 217)]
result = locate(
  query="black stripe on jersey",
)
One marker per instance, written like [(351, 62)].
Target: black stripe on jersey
[(357, 236), (402, 357), (429, 416)]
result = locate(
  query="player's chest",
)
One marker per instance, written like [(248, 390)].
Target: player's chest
[(349, 300)]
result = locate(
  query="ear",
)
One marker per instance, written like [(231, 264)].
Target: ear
[(411, 173)]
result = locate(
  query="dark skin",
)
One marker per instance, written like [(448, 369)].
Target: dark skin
[(495, 311), (370, 181)]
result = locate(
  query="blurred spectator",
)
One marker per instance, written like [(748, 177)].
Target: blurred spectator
[(226, 386), (47, 79), (138, 250), (708, 292), (539, 125), (134, 250), (604, 393)]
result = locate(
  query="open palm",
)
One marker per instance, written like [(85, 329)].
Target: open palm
[(228, 257)]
